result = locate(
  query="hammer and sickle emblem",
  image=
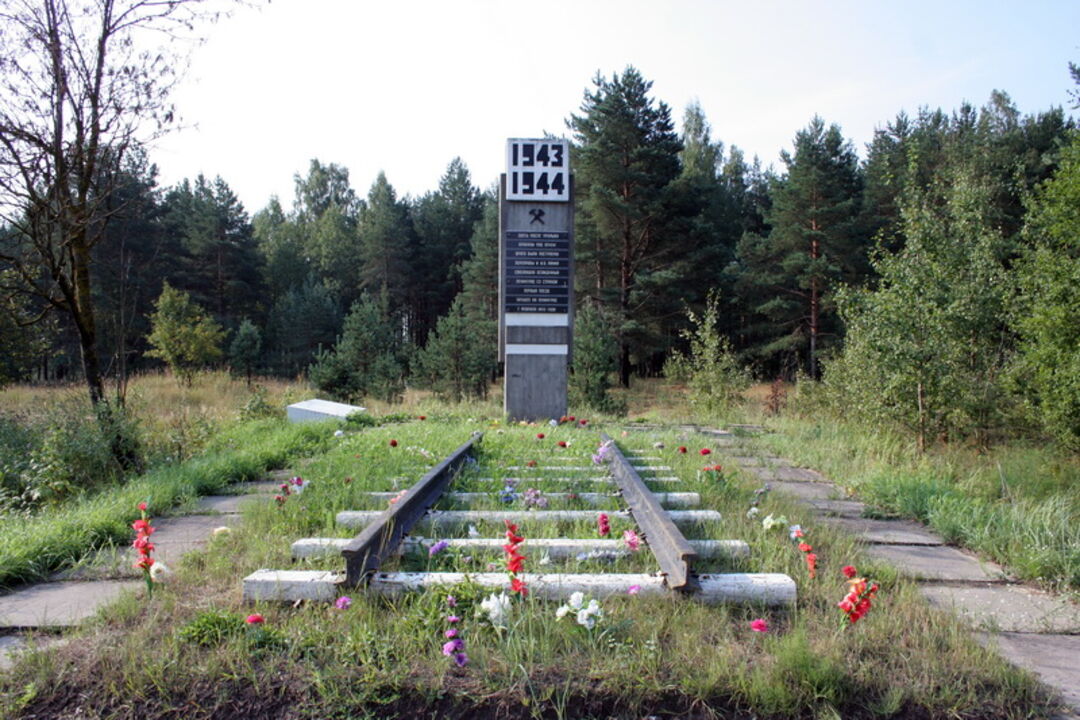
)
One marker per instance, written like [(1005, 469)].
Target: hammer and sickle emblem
[(537, 216)]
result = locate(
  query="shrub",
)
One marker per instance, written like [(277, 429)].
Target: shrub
[(711, 370), (595, 359)]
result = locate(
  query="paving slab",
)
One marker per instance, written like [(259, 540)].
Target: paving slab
[(1052, 657), (936, 562), (837, 508), (1007, 608), (59, 604), (791, 474), (178, 535), (12, 645), (268, 487), (228, 504), (807, 491), (759, 461), (887, 532)]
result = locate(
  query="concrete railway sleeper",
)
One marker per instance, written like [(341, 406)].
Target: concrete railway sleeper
[(390, 534)]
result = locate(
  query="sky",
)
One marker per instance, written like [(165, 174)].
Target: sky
[(404, 86)]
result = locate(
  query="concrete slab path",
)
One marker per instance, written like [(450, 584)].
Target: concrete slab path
[(76, 594), (1030, 628)]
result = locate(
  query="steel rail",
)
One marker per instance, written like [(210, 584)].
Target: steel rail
[(380, 539), (670, 548)]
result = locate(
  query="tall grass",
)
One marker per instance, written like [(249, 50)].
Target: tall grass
[(1017, 503), (32, 547)]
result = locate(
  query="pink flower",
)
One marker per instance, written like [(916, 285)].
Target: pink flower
[(633, 590), (451, 647), (255, 619), (142, 506), (602, 525), (632, 540), (452, 619), (451, 633), (343, 602), (451, 601), (759, 625)]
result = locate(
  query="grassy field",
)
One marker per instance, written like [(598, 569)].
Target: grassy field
[(187, 652)]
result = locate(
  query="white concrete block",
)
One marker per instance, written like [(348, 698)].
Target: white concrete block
[(292, 585), (555, 548), (315, 410)]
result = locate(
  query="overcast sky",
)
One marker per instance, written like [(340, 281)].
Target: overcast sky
[(404, 86)]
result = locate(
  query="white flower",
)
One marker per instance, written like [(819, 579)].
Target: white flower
[(752, 512), (588, 616), (577, 600), (553, 422), (473, 532), (562, 611), (770, 522), (339, 433), (221, 531), (545, 560), (498, 608), (159, 571), (658, 445)]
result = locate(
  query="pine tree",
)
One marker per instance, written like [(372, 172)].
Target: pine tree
[(813, 245), (367, 359), (459, 357), (627, 160), (387, 246), (245, 351), (183, 334)]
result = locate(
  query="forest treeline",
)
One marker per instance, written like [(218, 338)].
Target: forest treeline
[(930, 280)]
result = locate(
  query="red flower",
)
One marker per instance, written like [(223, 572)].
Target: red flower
[(705, 451), (539, 436), (142, 526), (682, 449), (144, 562), (571, 418), (562, 419), (423, 417), (255, 619), (142, 506), (531, 463), (602, 525), (514, 563), (849, 571), (811, 565), (583, 422), (393, 443), (562, 443), (518, 585), (805, 547)]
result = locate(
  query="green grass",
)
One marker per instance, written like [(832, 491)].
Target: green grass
[(1018, 504), (382, 658), (59, 536)]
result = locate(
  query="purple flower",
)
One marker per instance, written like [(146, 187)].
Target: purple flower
[(451, 601), (438, 547), (343, 602), (451, 633), (451, 647), (460, 659)]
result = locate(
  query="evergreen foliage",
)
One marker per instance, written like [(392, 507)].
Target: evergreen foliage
[(367, 360), (789, 275), (595, 360), (460, 355), (245, 351), (627, 162)]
